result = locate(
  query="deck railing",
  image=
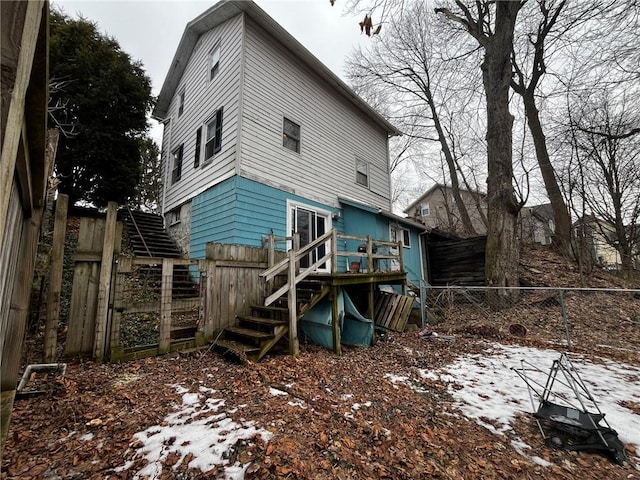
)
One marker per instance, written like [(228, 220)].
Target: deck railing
[(324, 249)]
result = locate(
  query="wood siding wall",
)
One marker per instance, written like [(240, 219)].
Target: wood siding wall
[(333, 132), (202, 99), (8, 268), (242, 211)]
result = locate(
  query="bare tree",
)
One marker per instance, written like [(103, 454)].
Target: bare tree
[(407, 62), (526, 85), (492, 25), (604, 137)]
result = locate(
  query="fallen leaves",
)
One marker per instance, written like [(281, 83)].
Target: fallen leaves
[(332, 417)]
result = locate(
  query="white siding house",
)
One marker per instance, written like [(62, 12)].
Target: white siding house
[(260, 137)]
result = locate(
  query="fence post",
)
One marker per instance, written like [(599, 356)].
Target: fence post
[(294, 347), (423, 303), (564, 318), (334, 251), (165, 305), (369, 255), (335, 321), (55, 279), (105, 281)]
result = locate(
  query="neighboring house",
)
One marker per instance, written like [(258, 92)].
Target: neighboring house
[(260, 137), (597, 238), (536, 225), (437, 209), (24, 169)]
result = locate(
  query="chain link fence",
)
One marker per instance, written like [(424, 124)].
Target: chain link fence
[(579, 318)]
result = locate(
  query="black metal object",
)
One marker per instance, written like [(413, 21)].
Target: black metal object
[(572, 420)]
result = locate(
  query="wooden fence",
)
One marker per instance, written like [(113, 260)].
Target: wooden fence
[(85, 287), (162, 305)]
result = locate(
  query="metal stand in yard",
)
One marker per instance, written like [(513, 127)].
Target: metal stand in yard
[(567, 414)]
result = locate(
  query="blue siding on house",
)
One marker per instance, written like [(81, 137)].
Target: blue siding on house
[(241, 211)]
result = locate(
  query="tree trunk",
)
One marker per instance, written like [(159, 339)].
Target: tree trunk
[(562, 233), (502, 252), (467, 226)]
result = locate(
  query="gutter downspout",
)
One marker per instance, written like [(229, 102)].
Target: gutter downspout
[(165, 122)]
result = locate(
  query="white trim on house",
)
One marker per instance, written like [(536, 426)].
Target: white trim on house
[(326, 214)]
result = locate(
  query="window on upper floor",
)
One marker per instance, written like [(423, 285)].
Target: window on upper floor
[(176, 173), (291, 135), (425, 211), (181, 102), (214, 62), (213, 142), (196, 159), (362, 173)]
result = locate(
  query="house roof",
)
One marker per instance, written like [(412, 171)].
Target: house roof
[(431, 190), (543, 211), (227, 9), (384, 213)]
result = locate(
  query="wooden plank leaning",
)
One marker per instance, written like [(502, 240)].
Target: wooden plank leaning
[(104, 287)]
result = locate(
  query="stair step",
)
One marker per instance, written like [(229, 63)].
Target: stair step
[(238, 348), (262, 321), (269, 308), (249, 333)]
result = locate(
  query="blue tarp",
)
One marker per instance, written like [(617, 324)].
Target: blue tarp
[(355, 329)]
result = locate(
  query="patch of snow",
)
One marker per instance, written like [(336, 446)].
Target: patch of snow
[(275, 392), (198, 429), (346, 396), (297, 403), (491, 390), (87, 437)]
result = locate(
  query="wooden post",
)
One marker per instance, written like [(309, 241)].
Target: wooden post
[(55, 279), (105, 282), (294, 347), (25, 49), (334, 251), (369, 255), (401, 260), (124, 266), (165, 305), (335, 321), (201, 338), (271, 250), (371, 307)]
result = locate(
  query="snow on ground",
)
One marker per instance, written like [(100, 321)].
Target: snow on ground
[(492, 391), (198, 428)]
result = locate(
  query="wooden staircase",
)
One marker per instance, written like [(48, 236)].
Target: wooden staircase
[(253, 336)]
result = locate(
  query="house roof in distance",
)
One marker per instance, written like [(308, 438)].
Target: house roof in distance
[(437, 186), (227, 9)]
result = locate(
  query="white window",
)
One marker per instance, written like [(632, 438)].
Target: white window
[(291, 135), (362, 173), (214, 62), (425, 211), (181, 102), (214, 136), (399, 234)]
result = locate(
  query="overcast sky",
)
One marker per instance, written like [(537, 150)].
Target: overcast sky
[(150, 31)]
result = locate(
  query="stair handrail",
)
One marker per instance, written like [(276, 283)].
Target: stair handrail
[(282, 265), (135, 224)]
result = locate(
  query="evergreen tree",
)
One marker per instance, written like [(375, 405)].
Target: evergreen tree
[(99, 99)]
